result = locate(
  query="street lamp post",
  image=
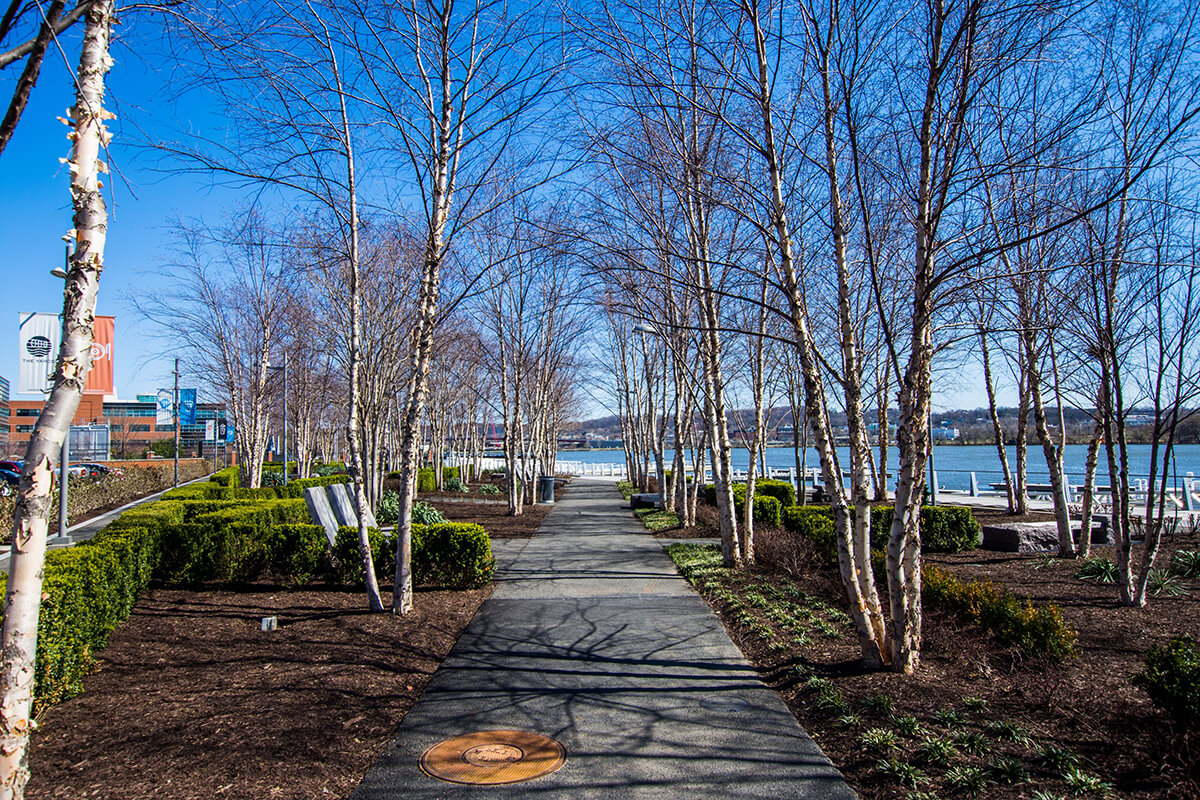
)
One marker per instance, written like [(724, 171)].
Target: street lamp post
[(283, 369)]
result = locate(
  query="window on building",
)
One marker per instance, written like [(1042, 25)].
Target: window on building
[(115, 428), (28, 412), (139, 428), (163, 428), (24, 429)]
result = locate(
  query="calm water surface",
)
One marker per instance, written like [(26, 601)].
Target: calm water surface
[(955, 463)]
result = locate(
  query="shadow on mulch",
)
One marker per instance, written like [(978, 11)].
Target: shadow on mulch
[(192, 700)]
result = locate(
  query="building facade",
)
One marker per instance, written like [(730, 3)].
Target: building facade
[(131, 424)]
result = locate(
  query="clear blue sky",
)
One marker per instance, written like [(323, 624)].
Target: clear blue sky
[(35, 210)]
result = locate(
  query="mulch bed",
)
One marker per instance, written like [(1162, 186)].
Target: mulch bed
[(1086, 704), (494, 517), (191, 700)]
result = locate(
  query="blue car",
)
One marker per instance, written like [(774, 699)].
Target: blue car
[(9, 477)]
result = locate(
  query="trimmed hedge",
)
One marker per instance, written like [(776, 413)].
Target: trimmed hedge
[(216, 491), (451, 555), (944, 529), (426, 481), (214, 531), (768, 508), (348, 566), (1037, 630), (87, 591), (454, 555)]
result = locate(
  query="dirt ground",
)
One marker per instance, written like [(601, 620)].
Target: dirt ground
[(1086, 704), (192, 701)]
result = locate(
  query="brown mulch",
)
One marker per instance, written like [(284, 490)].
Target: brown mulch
[(192, 700), (1086, 704), (494, 517)]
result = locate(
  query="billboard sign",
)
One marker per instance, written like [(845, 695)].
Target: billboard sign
[(210, 430), (38, 337), (187, 406), (164, 408), (100, 379)]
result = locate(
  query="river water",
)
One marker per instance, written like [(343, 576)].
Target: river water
[(955, 463)]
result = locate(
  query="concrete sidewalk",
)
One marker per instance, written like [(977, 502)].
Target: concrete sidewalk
[(592, 638)]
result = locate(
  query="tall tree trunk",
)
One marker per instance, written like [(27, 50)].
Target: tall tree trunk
[(27, 557), (997, 428), (1066, 540)]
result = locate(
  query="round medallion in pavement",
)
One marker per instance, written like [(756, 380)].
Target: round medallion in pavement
[(728, 705), (493, 757)]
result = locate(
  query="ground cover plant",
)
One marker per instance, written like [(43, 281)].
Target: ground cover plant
[(988, 715)]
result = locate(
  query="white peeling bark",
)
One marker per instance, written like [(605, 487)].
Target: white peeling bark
[(23, 600)]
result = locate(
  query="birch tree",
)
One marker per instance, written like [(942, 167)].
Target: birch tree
[(22, 602)]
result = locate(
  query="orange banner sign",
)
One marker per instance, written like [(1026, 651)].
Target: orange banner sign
[(100, 379)]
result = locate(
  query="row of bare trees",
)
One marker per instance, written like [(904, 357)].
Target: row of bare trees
[(879, 187)]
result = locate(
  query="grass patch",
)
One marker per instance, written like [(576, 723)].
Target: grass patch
[(657, 520)]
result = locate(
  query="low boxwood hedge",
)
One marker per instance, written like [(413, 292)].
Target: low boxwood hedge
[(191, 538), (450, 555), (768, 508), (944, 529)]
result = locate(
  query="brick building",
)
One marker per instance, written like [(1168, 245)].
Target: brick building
[(131, 423)]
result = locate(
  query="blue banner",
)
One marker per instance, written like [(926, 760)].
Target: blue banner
[(187, 406)]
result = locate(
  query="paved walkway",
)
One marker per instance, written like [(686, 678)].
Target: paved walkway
[(591, 637)]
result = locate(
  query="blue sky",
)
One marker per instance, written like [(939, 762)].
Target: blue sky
[(35, 211)]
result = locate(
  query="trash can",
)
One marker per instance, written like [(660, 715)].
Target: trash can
[(545, 492)]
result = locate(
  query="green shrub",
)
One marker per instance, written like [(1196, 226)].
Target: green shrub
[(814, 523), (1172, 678), (767, 509), (452, 555), (1036, 630), (425, 481), (395, 475), (228, 544), (451, 474), (348, 570), (226, 477), (944, 529), (297, 553), (87, 591), (782, 491), (767, 506), (489, 488), (455, 485)]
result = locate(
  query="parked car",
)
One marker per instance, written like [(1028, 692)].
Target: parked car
[(12, 466), (100, 470), (10, 477)]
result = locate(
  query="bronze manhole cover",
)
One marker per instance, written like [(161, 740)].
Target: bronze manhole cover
[(493, 757)]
